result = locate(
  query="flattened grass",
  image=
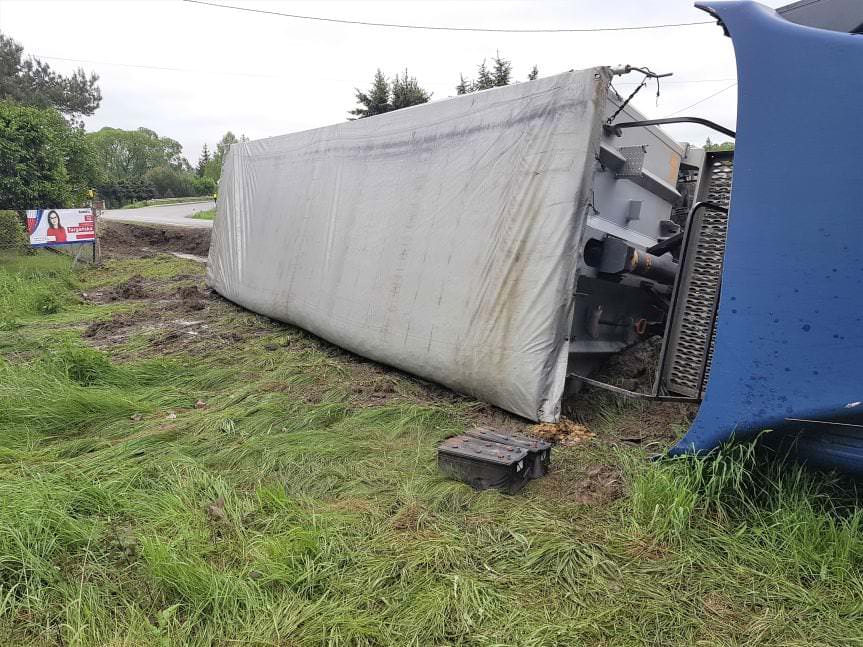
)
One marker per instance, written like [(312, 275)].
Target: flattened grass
[(284, 512)]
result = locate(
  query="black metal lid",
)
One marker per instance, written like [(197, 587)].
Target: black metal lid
[(517, 440), (486, 450)]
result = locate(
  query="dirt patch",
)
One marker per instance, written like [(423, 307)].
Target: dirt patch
[(410, 518), (171, 315), (106, 329), (633, 369), (191, 298), (372, 392), (616, 418), (566, 432), (718, 606), (598, 484), (487, 415), (134, 288), (656, 422), (123, 240)]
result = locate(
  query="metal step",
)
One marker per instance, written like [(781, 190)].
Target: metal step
[(689, 342)]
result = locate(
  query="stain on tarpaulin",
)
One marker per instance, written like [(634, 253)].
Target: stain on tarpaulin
[(556, 363), (404, 262), (372, 149), (550, 341), (505, 298), (511, 305)]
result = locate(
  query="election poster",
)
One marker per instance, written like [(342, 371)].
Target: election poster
[(50, 227)]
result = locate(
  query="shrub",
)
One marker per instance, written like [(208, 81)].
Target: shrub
[(47, 303), (13, 235), (204, 186), (44, 162)]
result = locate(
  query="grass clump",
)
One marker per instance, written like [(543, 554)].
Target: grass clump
[(246, 495), (209, 214), (37, 284)]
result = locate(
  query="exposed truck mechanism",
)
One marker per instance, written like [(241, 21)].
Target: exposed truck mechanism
[(506, 243)]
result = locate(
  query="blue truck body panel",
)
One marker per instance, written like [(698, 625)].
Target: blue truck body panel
[(788, 354)]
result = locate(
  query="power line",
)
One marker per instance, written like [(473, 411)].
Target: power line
[(677, 81), (156, 67), (434, 28), (272, 76), (201, 71), (677, 112)]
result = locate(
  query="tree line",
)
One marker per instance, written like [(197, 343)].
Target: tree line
[(401, 91), (48, 160), (141, 165)]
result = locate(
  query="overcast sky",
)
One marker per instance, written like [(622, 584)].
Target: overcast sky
[(265, 75)]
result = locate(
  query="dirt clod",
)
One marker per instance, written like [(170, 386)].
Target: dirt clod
[(600, 484), (216, 510), (134, 288), (566, 432), (191, 297), (102, 329)]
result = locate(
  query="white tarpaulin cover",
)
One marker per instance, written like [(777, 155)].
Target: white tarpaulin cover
[(440, 239)]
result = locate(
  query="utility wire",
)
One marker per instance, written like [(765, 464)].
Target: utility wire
[(156, 67), (433, 28), (677, 112), (672, 82), (273, 76)]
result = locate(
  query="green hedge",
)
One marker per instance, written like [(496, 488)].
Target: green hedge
[(13, 234)]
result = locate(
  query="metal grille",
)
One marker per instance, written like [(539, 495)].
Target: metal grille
[(692, 332), (634, 161)]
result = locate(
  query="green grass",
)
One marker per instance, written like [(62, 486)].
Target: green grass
[(209, 214), (336, 527), (162, 201)]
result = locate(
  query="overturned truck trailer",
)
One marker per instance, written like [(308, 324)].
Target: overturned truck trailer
[(505, 243), (448, 239)]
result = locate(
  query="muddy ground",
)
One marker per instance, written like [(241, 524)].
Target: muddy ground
[(122, 240), (180, 314)]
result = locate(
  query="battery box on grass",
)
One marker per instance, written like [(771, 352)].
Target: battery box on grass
[(486, 459), (538, 451)]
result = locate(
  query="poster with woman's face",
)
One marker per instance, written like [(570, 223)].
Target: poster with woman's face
[(60, 226)]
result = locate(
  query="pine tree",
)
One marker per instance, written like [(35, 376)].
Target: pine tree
[(499, 75), (534, 73), (406, 91), (376, 101), (463, 86), (31, 82), (502, 70), (203, 161), (484, 78)]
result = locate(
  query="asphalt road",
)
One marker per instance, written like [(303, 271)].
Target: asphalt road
[(178, 215)]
